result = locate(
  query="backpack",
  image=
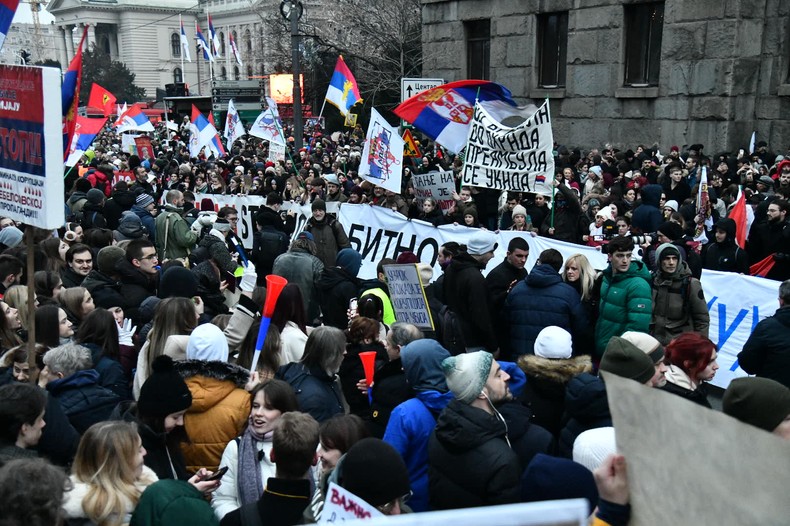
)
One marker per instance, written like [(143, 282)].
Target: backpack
[(452, 337)]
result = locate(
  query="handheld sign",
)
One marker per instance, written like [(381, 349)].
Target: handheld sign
[(438, 185), (341, 505), (408, 295)]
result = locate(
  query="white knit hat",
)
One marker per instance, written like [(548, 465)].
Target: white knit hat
[(646, 343), (519, 210), (553, 342), (467, 374), (593, 446), (207, 342)]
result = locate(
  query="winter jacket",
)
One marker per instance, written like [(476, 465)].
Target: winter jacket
[(93, 216), (466, 294), (766, 353), (76, 201), (547, 381), (282, 504), (217, 248), (625, 305), (11, 452), (179, 240), (678, 305), (329, 238), (111, 373), (526, 439), (293, 341), (335, 288), (726, 256), (121, 201), (226, 498), (434, 217), (379, 289), (135, 286), (679, 383), (172, 502), (352, 371), (83, 400), (566, 218), (209, 281), (389, 390), (175, 347), (647, 216), (72, 500), (317, 393), (470, 462), (586, 407), (304, 269), (220, 409), (541, 300), (105, 290), (267, 244), (70, 279), (498, 283), (147, 220)]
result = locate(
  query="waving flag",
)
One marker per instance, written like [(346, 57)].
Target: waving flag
[(120, 110), (444, 113), (703, 210), (85, 131), (382, 156), (234, 49), (343, 90), (70, 95), (743, 215), (212, 35), (184, 41), (101, 99), (216, 144), (233, 126), (133, 119), (207, 54), (203, 133), (267, 127), (7, 11)]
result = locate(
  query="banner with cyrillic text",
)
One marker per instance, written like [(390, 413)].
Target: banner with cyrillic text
[(408, 296), (438, 185), (517, 159)]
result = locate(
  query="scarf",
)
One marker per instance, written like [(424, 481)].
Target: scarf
[(250, 485)]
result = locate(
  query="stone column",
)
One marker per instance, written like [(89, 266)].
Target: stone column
[(60, 44), (90, 39), (69, 38)]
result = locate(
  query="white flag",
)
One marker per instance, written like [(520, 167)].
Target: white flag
[(266, 127), (233, 126), (184, 41), (382, 157)]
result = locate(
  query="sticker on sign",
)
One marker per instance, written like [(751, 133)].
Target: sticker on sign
[(411, 87)]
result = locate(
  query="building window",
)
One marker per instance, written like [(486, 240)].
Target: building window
[(236, 72), (178, 76), (552, 49), (263, 70), (224, 75), (478, 49), (249, 72), (175, 44), (248, 41), (644, 24), (222, 43)]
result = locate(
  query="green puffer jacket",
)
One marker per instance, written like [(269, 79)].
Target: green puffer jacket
[(173, 502), (626, 304)]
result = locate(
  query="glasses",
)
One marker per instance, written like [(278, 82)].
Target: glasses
[(386, 509), (150, 257)]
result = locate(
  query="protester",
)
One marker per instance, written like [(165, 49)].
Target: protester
[(691, 359)]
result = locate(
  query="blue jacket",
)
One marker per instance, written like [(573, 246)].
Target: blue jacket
[(111, 374), (83, 400), (147, 220), (317, 393), (647, 216), (539, 301)]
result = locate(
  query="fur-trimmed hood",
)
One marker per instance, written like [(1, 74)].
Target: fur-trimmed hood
[(211, 382), (560, 371)]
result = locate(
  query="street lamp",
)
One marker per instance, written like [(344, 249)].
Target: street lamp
[(292, 10)]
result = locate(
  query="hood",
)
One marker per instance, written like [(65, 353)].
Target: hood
[(98, 280), (666, 250), (76, 196), (210, 382), (422, 362), (560, 371), (464, 261), (543, 276), (585, 398), (728, 226), (125, 198), (434, 400), (334, 276), (651, 195), (462, 427), (78, 379), (675, 375), (130, 225)]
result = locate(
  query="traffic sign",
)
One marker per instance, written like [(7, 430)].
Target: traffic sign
[(410, 148), (411, 87)]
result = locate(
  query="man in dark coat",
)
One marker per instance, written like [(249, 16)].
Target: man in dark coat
[(724, 254), (121, 201), (470, 461), (567, 211), (327, 232), (772, 236), (270, 240), (138, 273), (502, 278), (103, 283), (647, 216), (541, 300), (337, 286), (766, 353)]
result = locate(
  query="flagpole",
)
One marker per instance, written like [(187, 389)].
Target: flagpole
[(322, 109), (183, 71)]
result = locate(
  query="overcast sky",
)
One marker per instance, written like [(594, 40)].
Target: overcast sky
[(23, 15)]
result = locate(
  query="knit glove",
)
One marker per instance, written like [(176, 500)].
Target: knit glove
[(125, 333), (249, 279)]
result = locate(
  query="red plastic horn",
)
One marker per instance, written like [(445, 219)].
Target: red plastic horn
[(369, 364), (274, 286)]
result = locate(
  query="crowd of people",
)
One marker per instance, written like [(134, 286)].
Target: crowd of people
[(145, 401)]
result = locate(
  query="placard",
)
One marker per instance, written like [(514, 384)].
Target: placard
[(438, 185), (408, 295), (341, 505)]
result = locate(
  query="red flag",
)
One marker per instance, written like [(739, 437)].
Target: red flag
[(71, 95), (101, 99), (741, 213), (763, 267)]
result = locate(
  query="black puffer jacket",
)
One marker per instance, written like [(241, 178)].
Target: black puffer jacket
[(135, 286), (218, 251), (726, 256), (121, 201), (83, 400), (586, 407), (766, 353), (106, 291), (335, 289), (352, 371), (317, 393), (390, 389), (465, 293), (470, 462)]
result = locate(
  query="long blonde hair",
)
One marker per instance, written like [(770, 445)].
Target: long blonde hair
[(105, 461), (16, 297), (586, 274), (173, 316)]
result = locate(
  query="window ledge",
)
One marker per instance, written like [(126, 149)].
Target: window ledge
[(547, 93), (784, 90), (630, 92)]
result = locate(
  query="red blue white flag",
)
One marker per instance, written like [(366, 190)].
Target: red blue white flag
[(343, 90)]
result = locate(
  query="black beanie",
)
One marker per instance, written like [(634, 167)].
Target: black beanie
[(625, 359), (178, 282), (318, 204), (165, 392), (373, 471), (761, 402), (671, 229)]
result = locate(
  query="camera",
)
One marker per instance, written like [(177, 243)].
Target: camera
[(645, 239)]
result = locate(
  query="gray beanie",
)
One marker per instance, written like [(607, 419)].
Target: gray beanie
[(625, 359), (467, 374)]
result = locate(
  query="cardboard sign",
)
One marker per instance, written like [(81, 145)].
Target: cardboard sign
[(514, 159), (31, 146), (438, 185), (341, 505), (144, 148), (408, 295), (351, 120)]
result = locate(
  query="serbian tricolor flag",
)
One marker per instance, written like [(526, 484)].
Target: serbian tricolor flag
[(85, 132), (444, 113), (213, 37), (216, 144), (207, 54), (202, 133), (343, 90), (234, 49), (101, 99), (133, 119), (7, 11), (70, 95)]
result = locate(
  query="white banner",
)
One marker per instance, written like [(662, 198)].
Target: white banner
[(516, 159), (382, 156), (438, 185), (341, 505)]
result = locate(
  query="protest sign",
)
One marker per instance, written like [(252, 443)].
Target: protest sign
[(143, 146), (382, 156), (438, 185), (341, 505), (128, 144), (710, 468), (276, 152), (31, 146), (515, 159), (408, 295)]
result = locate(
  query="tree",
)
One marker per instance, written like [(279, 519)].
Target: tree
[(99, 67)]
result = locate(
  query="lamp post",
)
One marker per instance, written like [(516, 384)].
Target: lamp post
[(292, 10)]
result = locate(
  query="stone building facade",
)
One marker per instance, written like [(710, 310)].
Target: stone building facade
[(627, 72)]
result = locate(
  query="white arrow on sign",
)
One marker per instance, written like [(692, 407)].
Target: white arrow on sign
[(411, 87)]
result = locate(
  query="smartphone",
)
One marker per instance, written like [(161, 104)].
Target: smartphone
[(217, 474)]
